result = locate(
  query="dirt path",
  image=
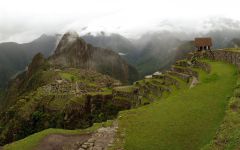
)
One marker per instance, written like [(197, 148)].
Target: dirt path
[(100, 140)]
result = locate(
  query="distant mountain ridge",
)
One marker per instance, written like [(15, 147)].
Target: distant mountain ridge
[(14, 57)]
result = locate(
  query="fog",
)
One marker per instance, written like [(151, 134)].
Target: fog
[(22, 21)]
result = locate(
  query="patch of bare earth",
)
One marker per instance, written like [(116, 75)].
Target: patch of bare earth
[(62, 142), (100, 140)]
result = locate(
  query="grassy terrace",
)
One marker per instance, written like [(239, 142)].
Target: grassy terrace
[(187, 119), (232, 49)]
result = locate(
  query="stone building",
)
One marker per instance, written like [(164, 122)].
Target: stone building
[(203, 43)]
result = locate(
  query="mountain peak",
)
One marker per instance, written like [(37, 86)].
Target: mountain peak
[(37, 61), (67, 41), (71, 34), (73, 51)]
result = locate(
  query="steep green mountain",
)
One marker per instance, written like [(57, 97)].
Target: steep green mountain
[(73, 51), (45, 97), (14, 57)]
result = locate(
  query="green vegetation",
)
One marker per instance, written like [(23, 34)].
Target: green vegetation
[(227, 137), (31, 141), (44, 98), (187, 119), (233, 49), (177, 118), (68, 76)]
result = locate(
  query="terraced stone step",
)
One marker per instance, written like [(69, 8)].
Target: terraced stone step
[(184, 77), (183, 63), (202, 65), (185, 70), (167, 80)]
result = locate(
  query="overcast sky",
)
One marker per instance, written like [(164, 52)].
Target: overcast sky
[(24, 20)]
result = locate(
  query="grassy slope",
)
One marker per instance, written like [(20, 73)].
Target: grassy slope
[(227, 136), (31, 141), (188, 119)]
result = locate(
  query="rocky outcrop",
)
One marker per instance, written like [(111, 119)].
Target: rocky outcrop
[(73, 51)]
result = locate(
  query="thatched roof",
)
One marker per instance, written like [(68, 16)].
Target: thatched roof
[(203, 42)]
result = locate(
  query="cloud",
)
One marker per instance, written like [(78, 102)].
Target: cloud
[(23, 20)]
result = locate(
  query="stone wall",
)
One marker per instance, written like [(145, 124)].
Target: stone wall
[(232, 57), (185, 70), (126, 99), (202, 65), (184, 77)]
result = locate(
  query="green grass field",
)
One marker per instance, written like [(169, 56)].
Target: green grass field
[(186, 120)]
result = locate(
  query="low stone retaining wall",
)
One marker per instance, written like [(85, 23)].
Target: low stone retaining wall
[(232, 57), (182, 76), (184, 70), (183, 63), (202, 65)]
